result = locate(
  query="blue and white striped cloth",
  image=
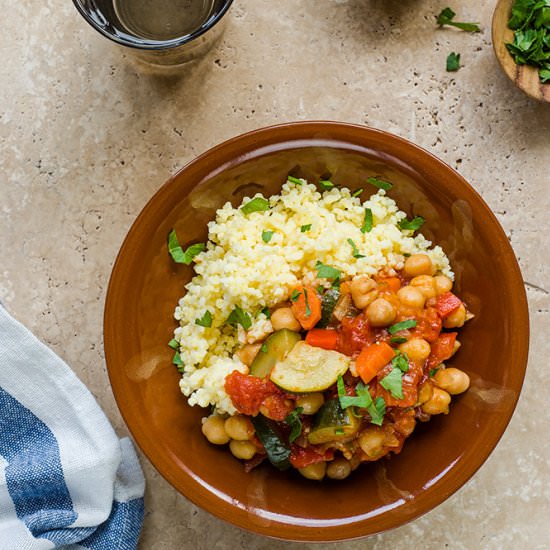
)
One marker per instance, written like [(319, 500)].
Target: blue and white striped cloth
[(66, 480)]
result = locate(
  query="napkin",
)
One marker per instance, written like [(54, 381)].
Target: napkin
[(66, 480)]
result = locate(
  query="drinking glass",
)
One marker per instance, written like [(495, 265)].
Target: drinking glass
[(165, 33)]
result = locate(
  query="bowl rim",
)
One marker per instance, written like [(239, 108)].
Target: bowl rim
[(189, 484)]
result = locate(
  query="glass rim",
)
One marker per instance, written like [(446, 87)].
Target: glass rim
[(154, 45)]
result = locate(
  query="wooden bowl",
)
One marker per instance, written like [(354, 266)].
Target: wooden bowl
[(439, 457), (525, 77)]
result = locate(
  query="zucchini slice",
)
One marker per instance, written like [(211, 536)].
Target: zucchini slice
[(277, 347), (309, 369), (275, 445), (333, 423)]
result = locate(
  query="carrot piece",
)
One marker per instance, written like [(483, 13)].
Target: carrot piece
[(307, 307), (372, 359), (345, 287), (393, 283), (447, 303), (322, 338)]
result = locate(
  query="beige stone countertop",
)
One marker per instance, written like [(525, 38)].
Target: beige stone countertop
[(86, 139)]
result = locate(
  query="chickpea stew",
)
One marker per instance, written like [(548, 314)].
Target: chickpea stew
[(341, 363)]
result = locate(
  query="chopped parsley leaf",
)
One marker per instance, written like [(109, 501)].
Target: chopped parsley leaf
[(306, 299), (263, 349), (266, 312), (397, 340), (292, 179), (377, 411), (433, 371), (295, 295), (367, 222), (400, 361), (258, 204), (403, 325), (174, 344), (205, 320), (326, 185), (357, 192), (393, 382), (178, 254), (355, 250), (412, 225), (381, 184), (305, 228), (266, 235), (446, 18), (295, 423), (453, 62), (327, 272), (239, 317), (176, 360)]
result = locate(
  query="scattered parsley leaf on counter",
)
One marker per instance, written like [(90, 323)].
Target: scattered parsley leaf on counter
[(357, 192), (355, 250), (178, 254), (326, 185), (174, 344), (403, 325), (530, 20), (305, 228), (393, 382), (381, 184), (453, 62), (367, 222), (292, 179), (295, 295), (205, 320), (446, 18), (258, 204), (400, 361), (327, 272), (239, 317), (266, 235), (412, 225), (293, 420)]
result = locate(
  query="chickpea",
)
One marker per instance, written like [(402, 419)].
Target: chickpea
[(381, 313), (248, 353), (371, 441), (410, 296), (239, 427), (417, 349), (314, 471), (418, 264), (456, 319), (242, 449), (442, 284), (213, 429), (310, 402), (452, 380), (363, 291), (438, 403), (339, 468), (424, 393), (284, 318), (426, 285)]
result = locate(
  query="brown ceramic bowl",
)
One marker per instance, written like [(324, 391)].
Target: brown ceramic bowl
[(439, 457)]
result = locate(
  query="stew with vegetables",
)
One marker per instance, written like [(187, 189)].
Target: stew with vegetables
[(346, 372)]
